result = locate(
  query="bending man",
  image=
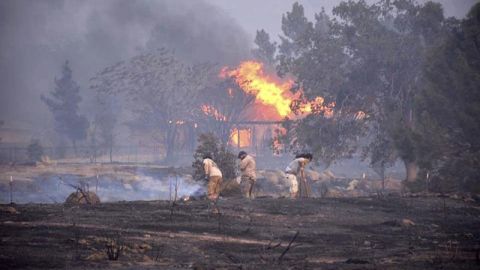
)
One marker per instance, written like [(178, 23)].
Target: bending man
[(214, 176), (295, 170), (248, 176)]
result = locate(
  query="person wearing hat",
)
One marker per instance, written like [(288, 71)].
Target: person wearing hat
[(214, 176), (248, 176)]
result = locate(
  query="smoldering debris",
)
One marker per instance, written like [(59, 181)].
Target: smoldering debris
[(111, 185), (53, 184)]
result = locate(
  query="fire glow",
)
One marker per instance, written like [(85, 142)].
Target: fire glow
[(251, 77), (211, 111), (269, 90), (273, 99), (241, 137)]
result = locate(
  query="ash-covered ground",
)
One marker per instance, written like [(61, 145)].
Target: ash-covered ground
[(349, 225), (332, 233)]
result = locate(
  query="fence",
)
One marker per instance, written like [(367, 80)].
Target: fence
[(126, 154), (82, 154)]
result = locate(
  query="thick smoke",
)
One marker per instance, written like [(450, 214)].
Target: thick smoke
[(36, 37)]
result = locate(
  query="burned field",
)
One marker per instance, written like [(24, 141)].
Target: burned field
[(327, 233)]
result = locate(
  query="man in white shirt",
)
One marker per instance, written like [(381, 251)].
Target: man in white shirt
[(294, 171), (214, 175), (248, 176)]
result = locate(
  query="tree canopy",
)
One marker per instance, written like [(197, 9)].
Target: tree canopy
[(403, 78), (63, 103)]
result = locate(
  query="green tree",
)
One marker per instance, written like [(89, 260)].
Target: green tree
[(266, 49), (368, 59), (63, 103), (389, 42), (448, 106), (313, 53)]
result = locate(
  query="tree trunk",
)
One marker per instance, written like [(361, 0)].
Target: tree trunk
[(411, 168), (74, 147), (381, 172), (111, 153), (170, 142), (93, 158)]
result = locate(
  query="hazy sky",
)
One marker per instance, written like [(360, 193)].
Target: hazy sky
[(267, 14), (37, 36)]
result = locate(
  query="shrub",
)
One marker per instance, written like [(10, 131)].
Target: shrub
[(35, 151), (208, 143)]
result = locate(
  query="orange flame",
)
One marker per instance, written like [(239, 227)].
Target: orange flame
[(240, 137), (269, 90), (317, 105), (273, 100), (212, 111), (251, 78)]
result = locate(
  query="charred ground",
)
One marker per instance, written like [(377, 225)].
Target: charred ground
[(333, 233)]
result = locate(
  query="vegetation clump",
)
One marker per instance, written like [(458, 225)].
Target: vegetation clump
[(209, 144), (35, 151)]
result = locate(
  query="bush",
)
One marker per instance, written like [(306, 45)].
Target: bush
[(419, 185), (35, 151), (208, 143), (459, 174), (82, 197)]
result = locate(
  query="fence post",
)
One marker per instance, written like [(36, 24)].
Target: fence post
[(11, 189), (238, 137)]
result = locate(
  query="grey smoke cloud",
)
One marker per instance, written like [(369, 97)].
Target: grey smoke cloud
[(37, 36)]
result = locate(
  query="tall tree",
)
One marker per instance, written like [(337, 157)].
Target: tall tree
[(107, 111), (1, 124), (389, 42), (63, 103), (368, 60), (448, 105), (162, 93), (313, 53), (266, 49)]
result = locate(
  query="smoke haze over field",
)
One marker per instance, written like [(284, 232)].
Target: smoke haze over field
[(36, 37)]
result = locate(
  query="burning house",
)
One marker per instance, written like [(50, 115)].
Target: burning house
[(255, 125)]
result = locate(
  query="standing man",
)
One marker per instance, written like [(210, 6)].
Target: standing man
[(296, 170), (248, 177), (214, 176)]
